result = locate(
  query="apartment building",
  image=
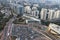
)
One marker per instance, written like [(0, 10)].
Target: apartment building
[(43, 13)]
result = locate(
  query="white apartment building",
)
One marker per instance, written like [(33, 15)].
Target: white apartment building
[(17, 9), (43, 13), (27, 9), (57, 14), (35, 12), (51, 14)]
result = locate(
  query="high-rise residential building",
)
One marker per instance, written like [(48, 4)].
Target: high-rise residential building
[(43, 13), (51, 14), (27, 9), (31, 14), (57, 14), (18, 9), (35, 12)]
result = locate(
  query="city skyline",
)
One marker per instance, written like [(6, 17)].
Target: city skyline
[(29, 20)]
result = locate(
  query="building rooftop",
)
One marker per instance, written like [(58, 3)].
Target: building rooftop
[(55, 27)]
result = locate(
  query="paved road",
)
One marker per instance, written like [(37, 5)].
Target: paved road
[(49, 35), (7, 29)]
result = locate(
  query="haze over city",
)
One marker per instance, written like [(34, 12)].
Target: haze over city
[(29, 19)]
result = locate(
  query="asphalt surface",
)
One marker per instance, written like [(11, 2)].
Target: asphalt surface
[(7, 29)]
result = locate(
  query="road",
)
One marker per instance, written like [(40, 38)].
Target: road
[(7, 29), (39, 28), (48, 35)]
